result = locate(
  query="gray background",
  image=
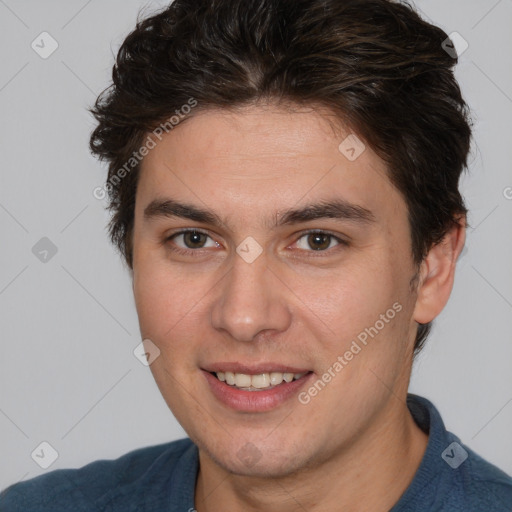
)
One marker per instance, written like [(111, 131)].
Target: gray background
[(68, 375)]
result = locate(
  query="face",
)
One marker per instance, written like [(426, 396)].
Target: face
[(263, 253)]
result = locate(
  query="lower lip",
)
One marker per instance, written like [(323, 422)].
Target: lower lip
[(255, 401)]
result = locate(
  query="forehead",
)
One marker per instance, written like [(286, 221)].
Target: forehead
[(254, 133), (265, 158)]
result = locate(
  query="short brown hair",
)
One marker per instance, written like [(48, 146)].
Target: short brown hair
[(375, 63)]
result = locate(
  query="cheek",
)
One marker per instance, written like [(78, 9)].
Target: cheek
[(363, 310), (353, 295), (155, 294), (169, 302)]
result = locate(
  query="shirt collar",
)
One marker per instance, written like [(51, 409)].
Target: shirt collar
[(182, 481)]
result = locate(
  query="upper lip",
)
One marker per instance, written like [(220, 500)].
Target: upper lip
[(254, 369)]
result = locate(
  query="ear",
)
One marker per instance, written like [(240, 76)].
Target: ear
[(437, 273)]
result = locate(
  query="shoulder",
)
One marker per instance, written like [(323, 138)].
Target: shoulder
[(452, 477), (486, 486), (469, 483), (92, 486)]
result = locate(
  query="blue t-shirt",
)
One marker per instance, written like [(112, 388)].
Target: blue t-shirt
[(451, 478)]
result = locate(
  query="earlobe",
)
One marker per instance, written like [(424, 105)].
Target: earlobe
[(437, 274)]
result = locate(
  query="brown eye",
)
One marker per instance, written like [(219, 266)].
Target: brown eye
[(194, 239), (191, 239), (318, 241)]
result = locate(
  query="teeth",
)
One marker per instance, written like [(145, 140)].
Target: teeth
[(242, 380), (276, 378), (261, 381)]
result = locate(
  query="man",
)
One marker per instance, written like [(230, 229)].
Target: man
[(283, 178)]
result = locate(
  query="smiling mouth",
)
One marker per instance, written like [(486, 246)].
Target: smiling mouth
[(258, 382)]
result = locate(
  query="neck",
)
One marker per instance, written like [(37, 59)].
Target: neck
[(377, 467)]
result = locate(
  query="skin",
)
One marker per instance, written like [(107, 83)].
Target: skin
[(293, 305)]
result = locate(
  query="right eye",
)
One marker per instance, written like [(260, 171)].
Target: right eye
[(190, 240)]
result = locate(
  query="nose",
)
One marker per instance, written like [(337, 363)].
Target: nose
[(250, 299)]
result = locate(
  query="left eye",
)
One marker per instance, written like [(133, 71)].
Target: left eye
[(317, 241)]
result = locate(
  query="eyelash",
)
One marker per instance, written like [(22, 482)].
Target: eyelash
[(188, 252)]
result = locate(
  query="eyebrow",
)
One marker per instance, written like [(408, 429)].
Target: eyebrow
[(334, 209)]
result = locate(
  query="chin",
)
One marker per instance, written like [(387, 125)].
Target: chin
[(264, 461)]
